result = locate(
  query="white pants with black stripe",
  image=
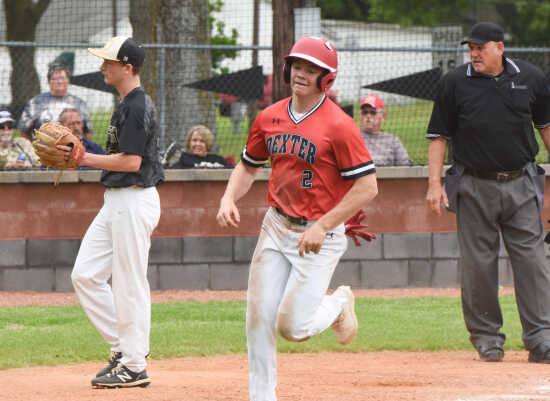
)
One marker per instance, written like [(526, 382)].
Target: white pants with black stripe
[(117, 244), (287, 293)]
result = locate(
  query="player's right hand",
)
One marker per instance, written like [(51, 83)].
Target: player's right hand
[(435, 197), (228, 214)]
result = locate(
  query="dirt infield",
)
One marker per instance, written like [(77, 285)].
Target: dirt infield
[(69, 298), (371, 376)]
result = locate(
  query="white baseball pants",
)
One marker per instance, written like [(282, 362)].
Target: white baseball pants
[(287, 294), (117, 244)]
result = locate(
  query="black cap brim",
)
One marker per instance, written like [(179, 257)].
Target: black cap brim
[(474, 41)]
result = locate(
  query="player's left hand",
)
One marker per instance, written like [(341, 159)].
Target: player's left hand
[(311, 240)]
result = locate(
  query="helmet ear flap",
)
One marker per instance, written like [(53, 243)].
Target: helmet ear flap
[(320, 78), (286, 71), (325, 80)]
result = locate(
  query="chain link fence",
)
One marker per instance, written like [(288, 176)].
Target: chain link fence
[(222, 85)]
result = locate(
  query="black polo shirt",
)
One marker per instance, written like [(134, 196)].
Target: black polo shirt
[(133, 130), (490, 120)]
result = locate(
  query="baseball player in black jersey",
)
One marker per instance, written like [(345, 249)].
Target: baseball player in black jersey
[(118, 240)]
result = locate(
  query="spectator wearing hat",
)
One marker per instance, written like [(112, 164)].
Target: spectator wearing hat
[(48, 105), (488, 108), (386, 149), (14, 152)]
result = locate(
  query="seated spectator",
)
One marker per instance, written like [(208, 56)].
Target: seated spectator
[(48, 105), (385, 149), (14, 152), (198, 143), (72, 119)]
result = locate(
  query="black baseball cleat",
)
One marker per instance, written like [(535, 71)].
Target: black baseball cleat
[(114, 359), (121, 376), (541, 353), (490, 352)]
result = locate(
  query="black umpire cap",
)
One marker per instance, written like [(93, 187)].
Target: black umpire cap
[(484, 32)]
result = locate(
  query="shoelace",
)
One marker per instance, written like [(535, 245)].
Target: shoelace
[(113, 357), (116, 369), (338, 320)]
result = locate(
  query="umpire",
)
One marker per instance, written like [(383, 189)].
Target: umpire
[(487, 107)]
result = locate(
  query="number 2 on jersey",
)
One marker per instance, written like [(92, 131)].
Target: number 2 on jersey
[(307, 177)]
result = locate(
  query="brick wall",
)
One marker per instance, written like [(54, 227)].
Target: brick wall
[(41, 227), (221, 263)]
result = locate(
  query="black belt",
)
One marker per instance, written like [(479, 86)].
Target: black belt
[(301, 221), (499, 176)]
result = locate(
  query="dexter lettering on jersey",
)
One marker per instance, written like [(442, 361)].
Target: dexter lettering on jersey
[(314, 158), (292, 144)]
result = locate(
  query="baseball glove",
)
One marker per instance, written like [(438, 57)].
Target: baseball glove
[(48, 136), (355, 229)]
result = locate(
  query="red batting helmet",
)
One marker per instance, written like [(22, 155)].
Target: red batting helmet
[(319, 52)]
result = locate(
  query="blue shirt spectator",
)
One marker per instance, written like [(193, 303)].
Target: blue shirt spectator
[(72, 119)]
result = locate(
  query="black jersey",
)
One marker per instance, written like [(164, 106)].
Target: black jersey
[(490, 119), (134, 130), (189, 160)]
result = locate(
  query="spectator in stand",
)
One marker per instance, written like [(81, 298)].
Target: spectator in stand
[(386, 149), (14, 152), (72, 119), (198, 143), (48, 105)]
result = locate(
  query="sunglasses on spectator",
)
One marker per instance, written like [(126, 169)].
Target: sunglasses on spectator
[(367, 112), (7, 126)]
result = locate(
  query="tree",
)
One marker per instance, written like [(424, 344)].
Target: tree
[(528, 21), (22, 18), (350, 10), (252, 108), (419, 12), (177, 22), (144, 16), (218, 37), (283, 39)]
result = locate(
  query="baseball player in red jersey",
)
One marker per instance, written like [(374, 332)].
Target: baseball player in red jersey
[(321, 175)]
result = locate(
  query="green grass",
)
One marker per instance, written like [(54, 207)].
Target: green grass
[(409, 122), (101, 121), (62, 334)]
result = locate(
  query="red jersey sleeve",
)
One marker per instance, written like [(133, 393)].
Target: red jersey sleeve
[(255, 153), (352, 156)]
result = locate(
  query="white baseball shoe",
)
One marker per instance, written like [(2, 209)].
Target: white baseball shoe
[(345, 326)]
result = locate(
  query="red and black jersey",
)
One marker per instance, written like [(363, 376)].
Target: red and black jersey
[(314, 158)]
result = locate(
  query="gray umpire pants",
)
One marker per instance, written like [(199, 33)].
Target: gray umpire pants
[(484, 207)]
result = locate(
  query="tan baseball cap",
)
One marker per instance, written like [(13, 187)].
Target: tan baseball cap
[(123, 49), (5, 116)]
